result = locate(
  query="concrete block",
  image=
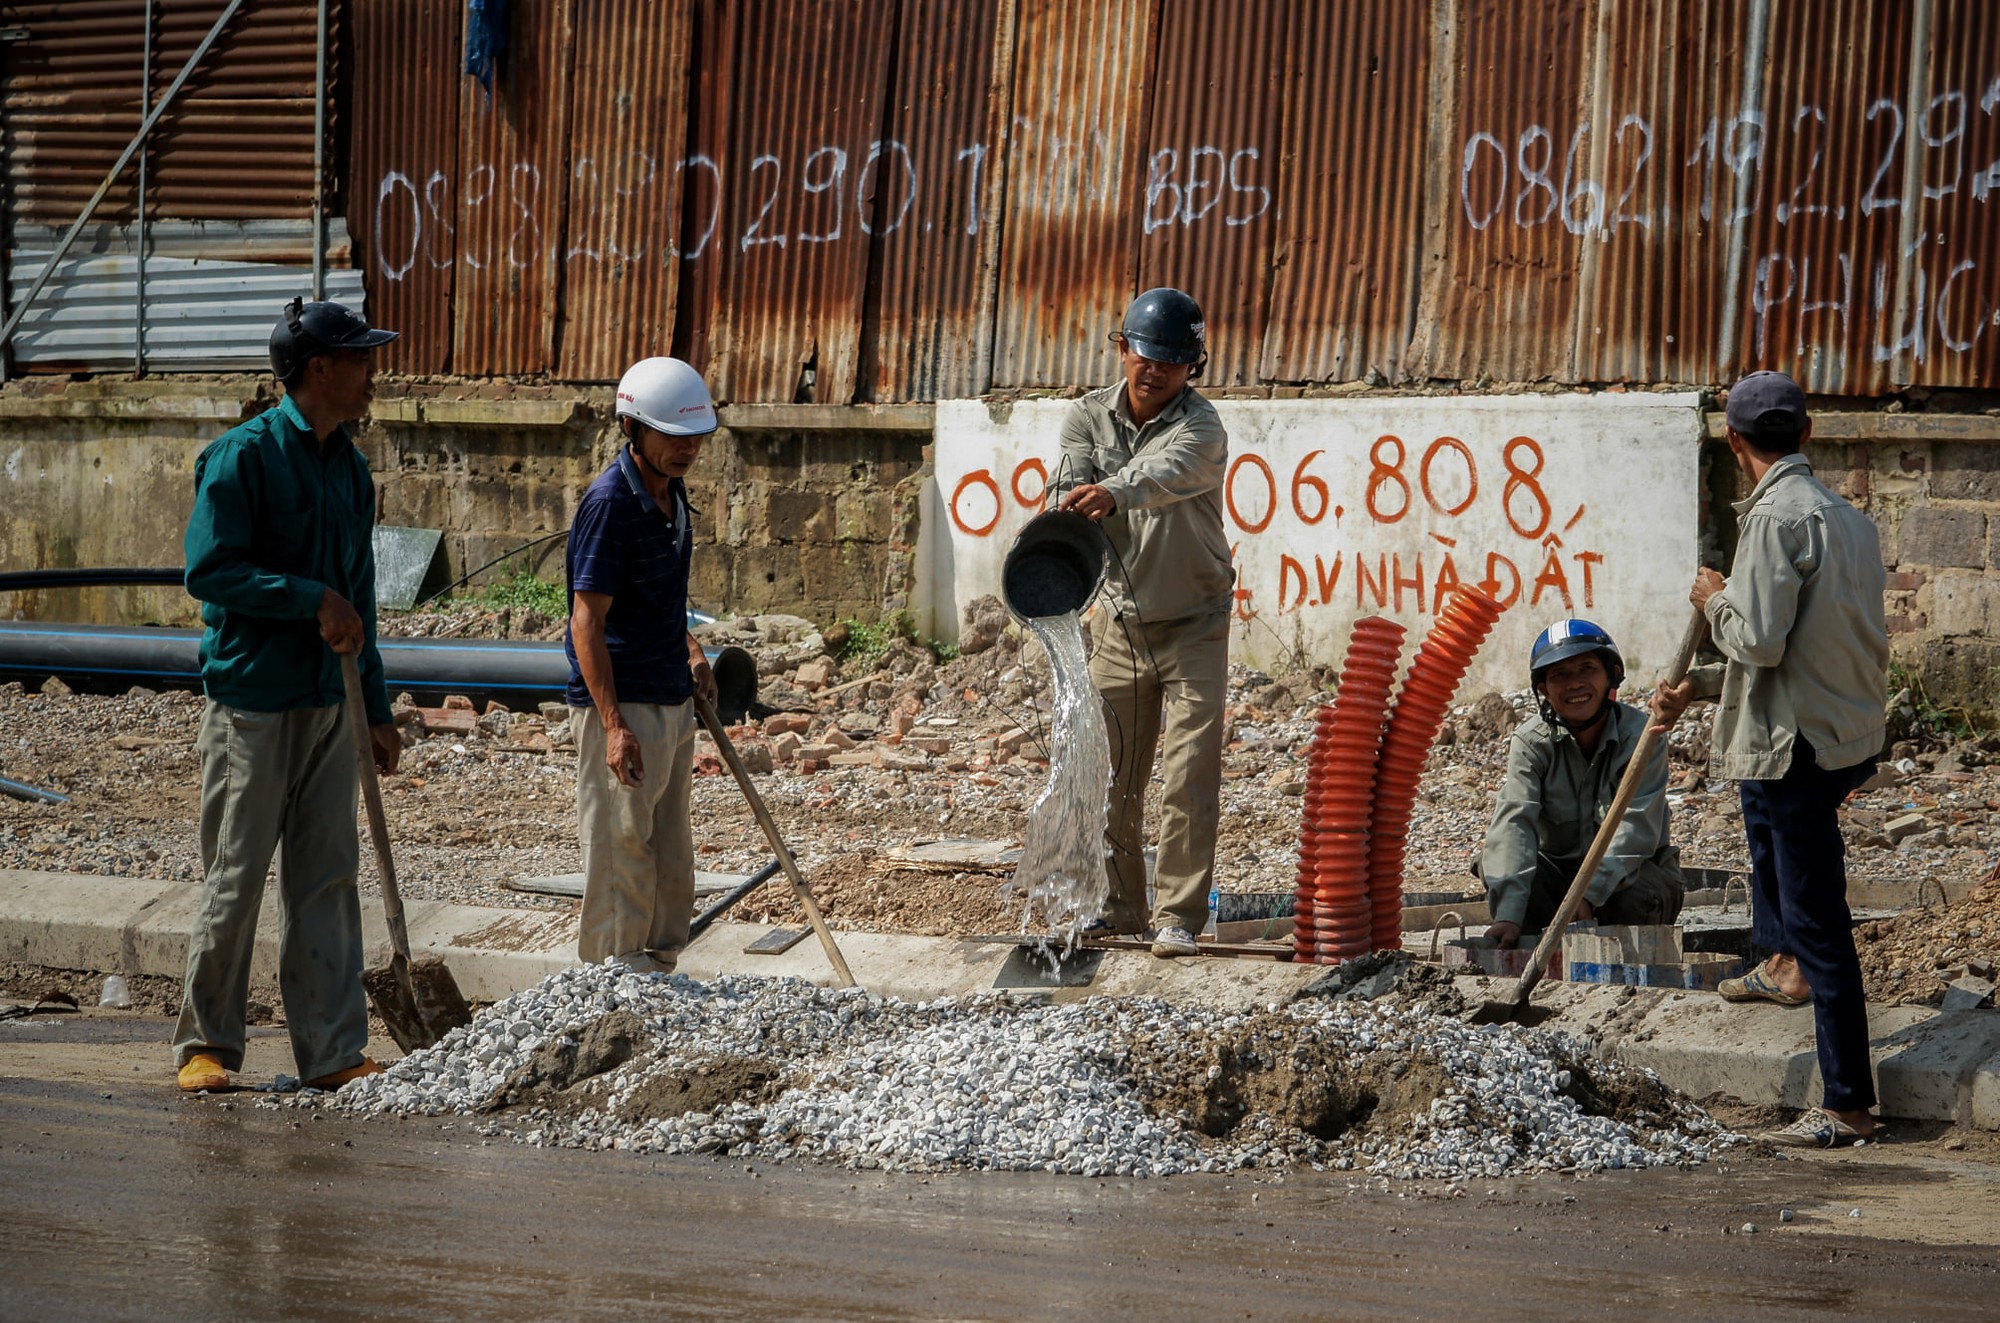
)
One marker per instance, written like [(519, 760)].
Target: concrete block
[(1965, 604), (504, 413), (1224, 984), (1965, 471), (1899, 829), (888, 964), (1933, 535), (1985, 1095), (1926, 1063)]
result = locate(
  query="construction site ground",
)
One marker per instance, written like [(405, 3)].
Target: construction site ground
[(894, 747)]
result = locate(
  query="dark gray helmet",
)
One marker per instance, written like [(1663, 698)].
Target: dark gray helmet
[(305, 329), (1166, 326)]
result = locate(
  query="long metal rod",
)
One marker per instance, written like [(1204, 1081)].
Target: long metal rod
[(319, 161), (118, 168), (139, 268)]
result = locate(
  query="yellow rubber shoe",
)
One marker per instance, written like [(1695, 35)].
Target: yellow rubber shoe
[(368, 1066), (203, 1071)]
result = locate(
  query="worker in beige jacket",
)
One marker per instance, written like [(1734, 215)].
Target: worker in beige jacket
[(1146, 457), (1799, 621)]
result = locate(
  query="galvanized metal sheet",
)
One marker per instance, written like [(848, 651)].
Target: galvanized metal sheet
[(213, 292), (403, 175), (1349, 194), (511, 192), (403, 557), (1069, 260), (621, 263), (929, 327), (807, 182)]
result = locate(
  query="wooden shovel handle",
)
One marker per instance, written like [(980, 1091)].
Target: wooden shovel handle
[(1628, 788), (771, 834), (378, 824)]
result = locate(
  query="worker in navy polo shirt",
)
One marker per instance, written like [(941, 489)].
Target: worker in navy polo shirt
[(633, 668)]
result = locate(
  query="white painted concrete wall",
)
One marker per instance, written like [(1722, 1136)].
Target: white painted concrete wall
[(1573, 504)]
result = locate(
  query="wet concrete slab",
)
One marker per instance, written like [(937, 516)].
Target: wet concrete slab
[(120, 1198)]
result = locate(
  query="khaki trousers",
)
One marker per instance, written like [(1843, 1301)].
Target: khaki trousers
[(279, 783), (1177, 670), (638, 841)]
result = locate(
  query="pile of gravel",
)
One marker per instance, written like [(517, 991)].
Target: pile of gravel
[(599, 1058)]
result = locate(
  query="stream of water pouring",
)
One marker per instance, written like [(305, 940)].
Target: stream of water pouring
[(1062, 858)]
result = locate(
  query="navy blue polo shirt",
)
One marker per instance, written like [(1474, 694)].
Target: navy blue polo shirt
[(622, 544)]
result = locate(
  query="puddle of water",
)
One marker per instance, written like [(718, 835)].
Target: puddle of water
[(1061, 872)]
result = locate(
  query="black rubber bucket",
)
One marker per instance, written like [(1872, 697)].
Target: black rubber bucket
[(1055, 566)]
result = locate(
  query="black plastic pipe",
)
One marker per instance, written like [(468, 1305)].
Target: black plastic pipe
[(27, 581), (516, 673)]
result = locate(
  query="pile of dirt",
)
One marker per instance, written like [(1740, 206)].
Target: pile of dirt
[(1265, 1073), (858, 893), (707, 1086), (1909, 959)]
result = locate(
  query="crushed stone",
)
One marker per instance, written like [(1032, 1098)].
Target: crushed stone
[(1132, 1087)]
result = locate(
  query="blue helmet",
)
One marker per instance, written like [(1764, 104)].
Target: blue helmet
[(1573, 638), (1166, 325)]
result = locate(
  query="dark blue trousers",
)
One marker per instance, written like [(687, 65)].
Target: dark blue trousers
[(1799, 876)]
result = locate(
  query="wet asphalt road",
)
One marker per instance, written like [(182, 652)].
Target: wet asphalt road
[(121, 1199)]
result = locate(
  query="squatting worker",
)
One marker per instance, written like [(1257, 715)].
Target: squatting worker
[(280, 553), (1799, 623), (633, 668), (1146, 458), (1564, 767)]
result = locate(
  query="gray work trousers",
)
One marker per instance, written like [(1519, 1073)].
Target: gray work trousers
[(638, 841), (1167, 678), (280, 783)]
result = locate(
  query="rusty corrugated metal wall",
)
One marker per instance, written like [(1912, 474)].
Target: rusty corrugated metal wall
[(808, 181), (932, 286), (904, 199), (620, 263), (404, 169), (236, 144)]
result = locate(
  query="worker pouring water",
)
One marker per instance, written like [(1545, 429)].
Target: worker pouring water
[(1146, 458)]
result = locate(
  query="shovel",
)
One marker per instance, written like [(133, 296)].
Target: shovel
[(778, 847), (418, 999), (1511, 1001)]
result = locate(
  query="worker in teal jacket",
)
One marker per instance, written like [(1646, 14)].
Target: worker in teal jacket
[(280, 553)]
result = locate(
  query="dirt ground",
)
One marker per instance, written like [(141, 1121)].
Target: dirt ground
[(896, 747)]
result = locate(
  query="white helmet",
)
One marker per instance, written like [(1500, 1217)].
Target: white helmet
[(667, 395)]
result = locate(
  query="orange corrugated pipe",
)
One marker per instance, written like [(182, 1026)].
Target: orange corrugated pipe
[(1439, 665), (1332, 915)]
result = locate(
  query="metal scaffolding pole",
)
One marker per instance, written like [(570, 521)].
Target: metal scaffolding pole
[(139, 278)]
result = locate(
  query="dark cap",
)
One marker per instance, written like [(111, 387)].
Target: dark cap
[(307, 329), (1767, 406)]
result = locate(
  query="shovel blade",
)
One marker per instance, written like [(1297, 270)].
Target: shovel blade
[(433, 1007)]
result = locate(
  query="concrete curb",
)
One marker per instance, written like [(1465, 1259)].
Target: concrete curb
[(1929, 1065)]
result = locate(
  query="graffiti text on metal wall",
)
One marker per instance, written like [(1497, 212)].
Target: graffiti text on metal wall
[(1534, 176), (828, 194)]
